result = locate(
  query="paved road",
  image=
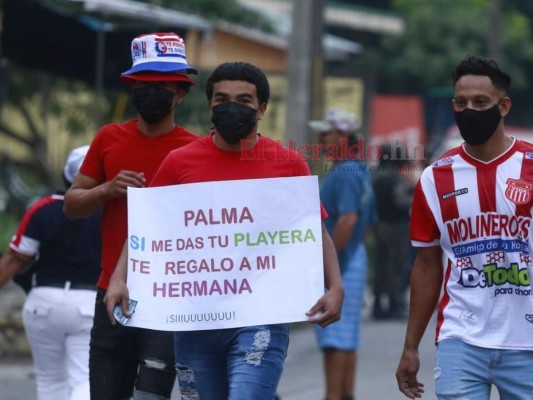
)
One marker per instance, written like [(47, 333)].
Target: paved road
[(302, 378), (377, 359)]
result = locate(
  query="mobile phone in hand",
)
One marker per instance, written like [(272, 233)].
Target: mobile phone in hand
[(119, 315)]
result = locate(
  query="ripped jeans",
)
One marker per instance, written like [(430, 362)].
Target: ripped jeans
[(121, 358), (231, 364)]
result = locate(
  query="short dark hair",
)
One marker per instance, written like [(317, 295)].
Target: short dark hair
[(473, 65), (184, 86), (240, 71)]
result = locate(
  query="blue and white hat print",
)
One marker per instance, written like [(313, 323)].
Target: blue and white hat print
[(159, 52)]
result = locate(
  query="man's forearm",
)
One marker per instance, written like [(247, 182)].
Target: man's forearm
[(81, 203), (426, 281), (121, 269), (332, 276), (10, 264), (343, 230)]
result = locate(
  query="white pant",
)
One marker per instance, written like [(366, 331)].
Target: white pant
[(58, 326)]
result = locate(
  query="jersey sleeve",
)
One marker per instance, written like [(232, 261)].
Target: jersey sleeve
[(351, 195), (323, 212), (424, 229), (92, 165), (302, 169), (27, 239), (166, 174)]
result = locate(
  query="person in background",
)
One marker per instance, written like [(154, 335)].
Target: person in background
[(393, 187), (471, 224), (63, 259), (347, 195), (213, 364), (128, 155)]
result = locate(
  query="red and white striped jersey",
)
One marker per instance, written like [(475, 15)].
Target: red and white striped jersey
[(480, 214)]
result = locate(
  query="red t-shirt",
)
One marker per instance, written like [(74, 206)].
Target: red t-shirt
[(202, 161), (118, 147)]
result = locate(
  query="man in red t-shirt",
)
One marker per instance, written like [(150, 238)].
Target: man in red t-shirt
[(121, 156), (241, 363)]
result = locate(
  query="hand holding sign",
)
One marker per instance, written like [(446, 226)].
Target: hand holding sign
[(119, 184), (328, 308)]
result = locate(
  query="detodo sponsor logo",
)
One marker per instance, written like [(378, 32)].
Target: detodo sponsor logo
[(491, 275)]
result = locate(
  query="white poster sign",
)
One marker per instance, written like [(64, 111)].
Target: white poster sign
[(225, 254)]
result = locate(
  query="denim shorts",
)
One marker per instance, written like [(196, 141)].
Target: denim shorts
[(468, 372), (345, 334), (231, 364)]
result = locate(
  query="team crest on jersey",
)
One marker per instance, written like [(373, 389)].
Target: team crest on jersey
[(518, 191), (529, 318), (529, 155)]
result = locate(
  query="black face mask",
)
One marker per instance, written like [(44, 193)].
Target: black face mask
[(233, 121), (153, 102), (477, 127)]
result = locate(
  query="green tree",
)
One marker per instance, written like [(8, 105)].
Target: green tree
[(36, 104), (438, 34), (29, 98), (219, 10)]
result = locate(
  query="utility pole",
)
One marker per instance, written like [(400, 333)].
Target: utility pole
[(99, 67), (494, 38), (305, 69)]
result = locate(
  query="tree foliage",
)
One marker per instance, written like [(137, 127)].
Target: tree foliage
[(35, 105), (216, 10), (30, 99), (439, 33)]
